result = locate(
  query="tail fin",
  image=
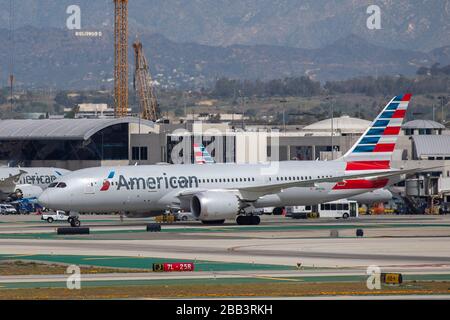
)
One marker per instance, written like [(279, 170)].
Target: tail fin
[(201, 155), (374, 149)]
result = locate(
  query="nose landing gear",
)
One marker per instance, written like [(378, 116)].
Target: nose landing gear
[(74, 222)]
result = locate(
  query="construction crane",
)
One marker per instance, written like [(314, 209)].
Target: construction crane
[(143, 85), (121, 58), (11, 63)]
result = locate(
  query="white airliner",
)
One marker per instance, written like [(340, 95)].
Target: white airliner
[(27, 183), (216, 192)]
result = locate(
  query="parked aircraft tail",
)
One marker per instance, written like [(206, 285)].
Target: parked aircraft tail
[(374, 149), (202, 156)]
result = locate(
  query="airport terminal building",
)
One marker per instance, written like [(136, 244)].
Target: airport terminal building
[(69, 143)]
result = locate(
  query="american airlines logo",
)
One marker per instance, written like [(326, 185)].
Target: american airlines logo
[(107, 183), (37, 179), (155, 183)]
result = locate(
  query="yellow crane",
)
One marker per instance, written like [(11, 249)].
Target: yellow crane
[(121, 58), (144, 86)]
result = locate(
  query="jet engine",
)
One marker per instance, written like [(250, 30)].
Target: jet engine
[(215, 206), (26, 191)]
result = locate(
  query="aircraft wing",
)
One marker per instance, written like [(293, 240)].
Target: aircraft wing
[(254, 192), (8, 184), (251, 194)]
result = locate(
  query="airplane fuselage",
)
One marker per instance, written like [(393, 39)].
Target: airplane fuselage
[(137, 189)]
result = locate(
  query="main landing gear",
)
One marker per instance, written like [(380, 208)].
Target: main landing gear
[(248, 220)]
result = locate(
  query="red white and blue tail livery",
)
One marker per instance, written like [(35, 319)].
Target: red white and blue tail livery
[(374, 149), (202, 156)]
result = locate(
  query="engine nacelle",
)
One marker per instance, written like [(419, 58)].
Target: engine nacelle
[(26, 191), (214, 206)]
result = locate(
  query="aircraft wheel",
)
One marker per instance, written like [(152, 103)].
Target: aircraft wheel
[(256, 220), (75, 223), (242, 220)]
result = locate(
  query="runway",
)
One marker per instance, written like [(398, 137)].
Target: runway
[(336, 253), (280, 250)]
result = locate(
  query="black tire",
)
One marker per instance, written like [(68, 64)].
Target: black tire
[(213, 222), (75, 223), (278, 211), (256, 220), (345, 216), (242, 220), (184, 218), (50, 220)]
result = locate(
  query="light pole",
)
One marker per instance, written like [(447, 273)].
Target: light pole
[(442, 98), (283, 103)]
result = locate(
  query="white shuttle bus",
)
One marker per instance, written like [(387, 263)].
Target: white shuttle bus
[(336, 209)]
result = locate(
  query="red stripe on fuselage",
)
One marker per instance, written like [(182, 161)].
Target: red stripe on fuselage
[(368, 165), (361, 184), (384, 147), (391, 131)]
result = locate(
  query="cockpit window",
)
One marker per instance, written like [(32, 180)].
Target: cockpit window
[(61, 185), (52, 185)]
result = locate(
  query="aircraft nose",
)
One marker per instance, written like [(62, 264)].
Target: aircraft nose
[(44, 199)]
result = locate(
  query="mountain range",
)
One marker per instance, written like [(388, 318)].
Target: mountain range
[(57, 58), (191, 43), (420, 25)]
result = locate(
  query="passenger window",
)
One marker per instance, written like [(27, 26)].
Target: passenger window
[(333, 207), (327, 206), (339, 206), (346, 206)]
